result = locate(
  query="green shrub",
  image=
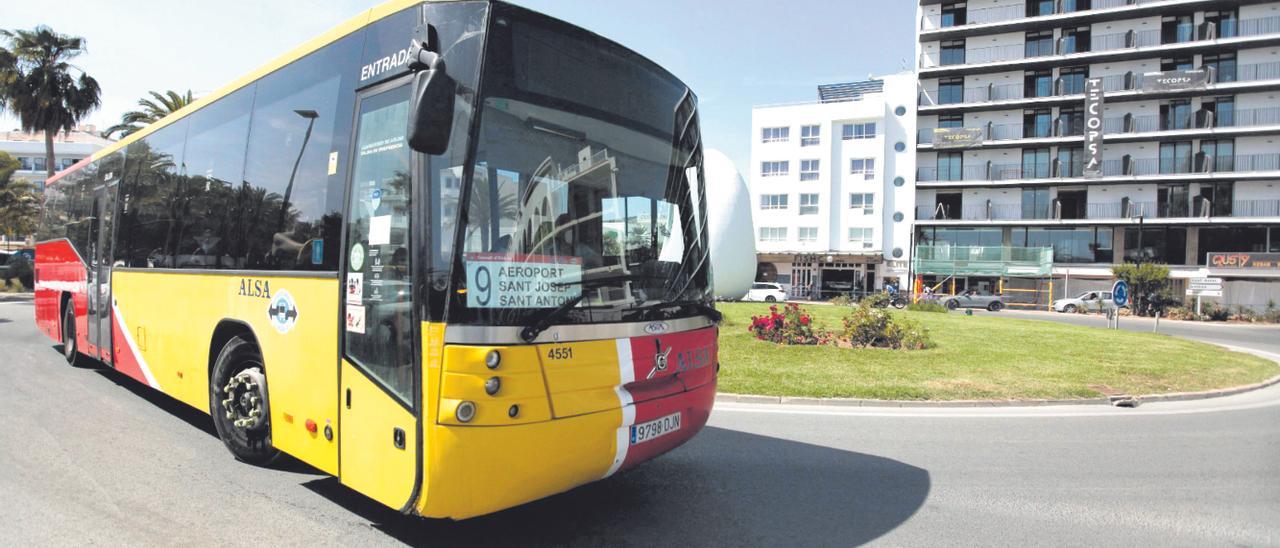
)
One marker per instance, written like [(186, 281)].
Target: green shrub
[(1149, 286), (875, 299), (1214, 312), (20, 270), (841, 300), (927, 306), (869, 327)]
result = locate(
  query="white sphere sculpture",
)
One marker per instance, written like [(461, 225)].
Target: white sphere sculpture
[(731, 232)]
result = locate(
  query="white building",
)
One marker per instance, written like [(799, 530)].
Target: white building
[(832, 187), (1190, 155), (68, 148)]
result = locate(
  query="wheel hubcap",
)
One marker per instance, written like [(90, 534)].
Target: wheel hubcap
[(246, 399)]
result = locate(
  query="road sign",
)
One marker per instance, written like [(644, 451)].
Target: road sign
[(1206, 281), (1200, 287), (1205, 292), (1120, 293)]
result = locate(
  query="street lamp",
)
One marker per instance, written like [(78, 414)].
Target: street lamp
[(311, 116)]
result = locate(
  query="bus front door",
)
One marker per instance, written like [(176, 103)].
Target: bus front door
[(98, 275), (378, 442)]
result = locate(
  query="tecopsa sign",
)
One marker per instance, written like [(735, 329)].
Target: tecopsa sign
[(1093, 128)]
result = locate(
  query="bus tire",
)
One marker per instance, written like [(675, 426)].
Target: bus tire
[(69, 344), (239, 376)]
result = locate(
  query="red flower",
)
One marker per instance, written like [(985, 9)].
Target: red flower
[(804, 320)]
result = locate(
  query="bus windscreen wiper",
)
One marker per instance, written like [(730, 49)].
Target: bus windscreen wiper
[(531, 331)]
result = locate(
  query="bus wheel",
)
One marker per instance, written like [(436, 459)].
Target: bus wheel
[(238, 402), (69, 350)]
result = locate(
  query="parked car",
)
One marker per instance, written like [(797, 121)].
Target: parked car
[(973, 299), (1089, 300), (766, 292)]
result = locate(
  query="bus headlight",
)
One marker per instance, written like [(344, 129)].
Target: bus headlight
[(492, 385), (465, 412), (492, 359)]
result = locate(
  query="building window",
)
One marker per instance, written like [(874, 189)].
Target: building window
[(1069, 6), (952, 52), (861, 237), (1071, 121), (1076, 40), (1175, 114), (1176, 63), (1035, 203), (1171, 200), (808, 234), (1071, 161), (775, 134), (774, 169), (1037, 83), (1222, 66), (1219, 154), (1214, 200), (1225, 25), (1037, 123), (809, 136), (1073, 79), (950, 166), (1039, 43), (773, 233), (1175, 157), (808, 204), (24, 163), (1223, 110), (809, 170), (773, 201), (863, 201), (863, 166), (1176, 29), (951, 120), (1166, 245), (858, 131), (1035, 163), (1036, 8), (38, 163), (953, 15), (951, 90), (1233, 239)]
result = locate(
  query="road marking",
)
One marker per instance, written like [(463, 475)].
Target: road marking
[(1008, 413)]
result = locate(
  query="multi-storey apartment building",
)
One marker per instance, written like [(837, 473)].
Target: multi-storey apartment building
[(831, 187), (1187, 162), (68, 148)]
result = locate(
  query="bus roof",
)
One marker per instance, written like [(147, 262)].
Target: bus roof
[(349, 26)]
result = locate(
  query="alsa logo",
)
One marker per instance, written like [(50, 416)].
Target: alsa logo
[(395, 60), (255, 288), (687, 359)]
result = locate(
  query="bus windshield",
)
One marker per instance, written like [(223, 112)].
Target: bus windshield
[(586, 185)]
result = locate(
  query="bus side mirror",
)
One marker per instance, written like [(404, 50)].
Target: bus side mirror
[(431, 120)]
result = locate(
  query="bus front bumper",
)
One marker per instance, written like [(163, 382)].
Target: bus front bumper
[(476, 470)]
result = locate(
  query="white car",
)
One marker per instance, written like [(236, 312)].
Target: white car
[(1089, 300), (766, 292)]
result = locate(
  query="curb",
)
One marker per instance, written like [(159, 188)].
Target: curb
[(16, 297), (1114, 400)]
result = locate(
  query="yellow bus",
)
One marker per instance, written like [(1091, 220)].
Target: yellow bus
[(453, 253)]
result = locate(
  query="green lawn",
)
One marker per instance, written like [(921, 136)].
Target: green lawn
[(977, 357)]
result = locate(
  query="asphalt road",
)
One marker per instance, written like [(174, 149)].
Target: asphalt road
[(89, 456)]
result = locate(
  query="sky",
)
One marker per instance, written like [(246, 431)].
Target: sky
[(734, 54)]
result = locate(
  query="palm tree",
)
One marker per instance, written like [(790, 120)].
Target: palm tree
[(159, 106), (42, 91), (19, 201)]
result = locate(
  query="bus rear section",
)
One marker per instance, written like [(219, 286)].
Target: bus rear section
[(453, 253)]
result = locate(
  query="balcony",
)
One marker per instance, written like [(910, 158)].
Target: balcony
[(1101, 44), (1199, 164), (1101, 211), (1013, 93), (1001, 14)]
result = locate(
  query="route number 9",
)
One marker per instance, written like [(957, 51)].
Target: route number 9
[(484, 285)]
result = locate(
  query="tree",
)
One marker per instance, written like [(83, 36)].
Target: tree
[(19, 202), (1148, 285), (159, 106), (41, 89)]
